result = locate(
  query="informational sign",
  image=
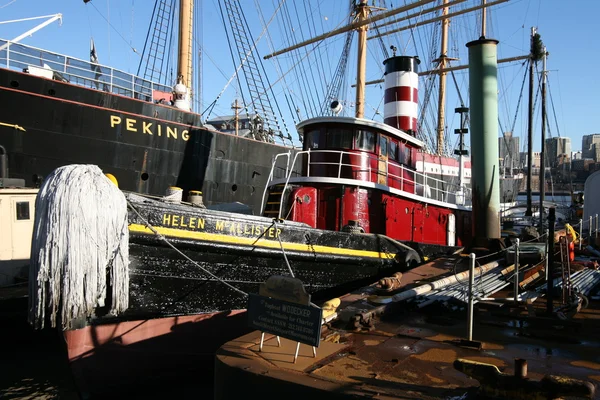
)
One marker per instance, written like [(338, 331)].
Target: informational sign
[(298, 322)]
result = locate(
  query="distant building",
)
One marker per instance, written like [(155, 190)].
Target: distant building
[(508, 149), (587, 145), (576, 155), (536, 159), (558, 151)]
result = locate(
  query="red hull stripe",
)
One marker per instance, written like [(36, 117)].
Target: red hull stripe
[(400, 122), (401, 93)]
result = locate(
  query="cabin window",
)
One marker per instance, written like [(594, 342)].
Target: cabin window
[(393, 150), (312, 141), (383, 146), (407, 155), (22, 210), (403, 154), (339, 138), (365, 140)]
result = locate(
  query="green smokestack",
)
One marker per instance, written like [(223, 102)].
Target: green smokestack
[(485, 178)]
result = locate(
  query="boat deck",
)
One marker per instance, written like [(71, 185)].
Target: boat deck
[(411, 352)]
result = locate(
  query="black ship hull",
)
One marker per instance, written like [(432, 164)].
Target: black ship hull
[(147, 146), (181, 308)]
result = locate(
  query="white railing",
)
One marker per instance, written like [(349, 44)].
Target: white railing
[(271, 178), (357, 167), (20, 57)]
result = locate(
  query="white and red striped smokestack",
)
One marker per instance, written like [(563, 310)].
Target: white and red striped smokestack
[(401, 101)]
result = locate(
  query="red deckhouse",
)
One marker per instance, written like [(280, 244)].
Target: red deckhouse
[(360, 175)]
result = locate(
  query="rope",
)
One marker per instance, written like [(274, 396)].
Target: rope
[(283, 251), (164, 239)]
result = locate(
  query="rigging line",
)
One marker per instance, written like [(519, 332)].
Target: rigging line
[(276, 63), (303, 57), (305, 73), (109, 24), (108, 10), (147, 37), (320, 13), (412, 28), (8, 4), (526, 63), (311, 87), (169, 51), (462, 103), (131, 31), (553, 109), (312, 30), (235, 74), (295, 55), (267, 79)]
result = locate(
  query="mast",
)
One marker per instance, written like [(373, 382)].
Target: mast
[(442, 88), (542, 155), (483, 18), (236, 107), (184, 52), (530, 129), (362, 13)]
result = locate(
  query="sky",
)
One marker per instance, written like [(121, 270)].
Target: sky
[(568, 29)]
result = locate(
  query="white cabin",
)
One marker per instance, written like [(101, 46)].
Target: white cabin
[(17, 212)]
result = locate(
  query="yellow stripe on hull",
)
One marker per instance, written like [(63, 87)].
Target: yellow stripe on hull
[(216, 237)]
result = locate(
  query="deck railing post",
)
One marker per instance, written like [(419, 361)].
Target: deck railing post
[(550, 280), (471, 284), (516, 290), (590, 231), (546, 253), (580, 233)]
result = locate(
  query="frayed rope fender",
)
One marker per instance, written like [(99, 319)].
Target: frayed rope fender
[(80, 247)]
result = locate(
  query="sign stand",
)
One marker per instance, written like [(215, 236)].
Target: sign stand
[(283, 308)]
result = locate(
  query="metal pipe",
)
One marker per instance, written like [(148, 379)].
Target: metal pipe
[(485, 180), (596, 225), (3, 162), (428, 287)]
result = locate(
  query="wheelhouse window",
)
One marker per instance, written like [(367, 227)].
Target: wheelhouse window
[(393, 150), (365, 140), (403, 156), (338, 138), (407, 155), (383, 146), (312, 139)]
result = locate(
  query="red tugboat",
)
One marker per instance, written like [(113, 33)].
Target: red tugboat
[(360, 175)]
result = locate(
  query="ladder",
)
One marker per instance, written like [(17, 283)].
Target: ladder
[(155, 57), (259, 100)]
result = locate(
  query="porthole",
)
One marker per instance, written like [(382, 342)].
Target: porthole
[(14, 84), (144, 176), (233, 187), (51, 92)]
